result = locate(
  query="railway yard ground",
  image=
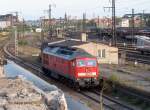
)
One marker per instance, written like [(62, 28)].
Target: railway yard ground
[(127, 75), (75, 55)]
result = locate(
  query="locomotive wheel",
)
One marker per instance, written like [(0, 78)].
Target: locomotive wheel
[(77, 87), (46, 72)]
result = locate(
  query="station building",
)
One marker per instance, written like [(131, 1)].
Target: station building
[(104, 53)]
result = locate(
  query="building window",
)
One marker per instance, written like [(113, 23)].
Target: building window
[(102, 53), (99, 53)]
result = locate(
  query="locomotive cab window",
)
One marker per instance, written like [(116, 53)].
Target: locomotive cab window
[(81, 63), (91, 63)]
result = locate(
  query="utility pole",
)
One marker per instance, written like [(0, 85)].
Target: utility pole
[(114, 22), (133, 26), (50, 23), (16, 16), (65, 17), (23, 26), (113, 7), (143, 19), (84, 22), (42, 29), (16, 40), (15, 31), (98, 22)]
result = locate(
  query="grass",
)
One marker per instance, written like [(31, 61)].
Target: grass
[(132, 100), (88, 104), (22, 43), (114, 78), (132, 67), (148, 69), (147, 79)]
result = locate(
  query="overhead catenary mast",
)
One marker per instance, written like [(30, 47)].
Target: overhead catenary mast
[(114, 22), (84, 23), (113, 7), (50, 23), (133, 26)]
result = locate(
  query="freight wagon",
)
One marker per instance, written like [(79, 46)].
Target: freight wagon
[(143, 44)]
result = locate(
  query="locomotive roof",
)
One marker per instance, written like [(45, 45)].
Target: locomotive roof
[(65, 52)]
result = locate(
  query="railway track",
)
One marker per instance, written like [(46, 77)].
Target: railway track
[(116, 104), (109, 103), (134, 55)]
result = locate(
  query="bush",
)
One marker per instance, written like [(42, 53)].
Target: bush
[(113, 78), (22, 43)]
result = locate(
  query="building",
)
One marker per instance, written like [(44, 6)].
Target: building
[(140, 20), (5, 24), (7, 20), (103, 22), (125, 23), (104, 53)]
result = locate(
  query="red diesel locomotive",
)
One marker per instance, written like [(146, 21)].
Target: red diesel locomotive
[(71, 64)]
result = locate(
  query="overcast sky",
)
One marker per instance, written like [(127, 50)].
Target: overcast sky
[(33, 9)]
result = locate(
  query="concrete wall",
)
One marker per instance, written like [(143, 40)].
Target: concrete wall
[(110, 54)]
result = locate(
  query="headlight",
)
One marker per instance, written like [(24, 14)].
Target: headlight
[(81, 74)]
